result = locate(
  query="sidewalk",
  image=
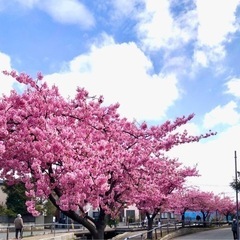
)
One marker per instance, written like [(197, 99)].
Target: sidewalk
[(57, 236)]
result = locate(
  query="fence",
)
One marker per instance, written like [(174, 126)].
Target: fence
[(157, 232), (164, 229), (8, 232), (32, 229)]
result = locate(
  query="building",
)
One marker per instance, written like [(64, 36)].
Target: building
[(3, 195)]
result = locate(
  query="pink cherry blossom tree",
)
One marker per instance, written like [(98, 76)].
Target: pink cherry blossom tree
[(153, 195), (196, 200), (204, 202), (183, 200), (78, 152), (227, 207)]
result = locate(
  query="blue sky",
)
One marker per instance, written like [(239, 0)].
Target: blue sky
[(159, 59)]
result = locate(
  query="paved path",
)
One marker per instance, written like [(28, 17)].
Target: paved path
[(59, 236), (37, 235), (221, 233)]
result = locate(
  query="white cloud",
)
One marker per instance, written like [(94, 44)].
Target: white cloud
[(216, 22), (125, 8), (158, 29), (214, 158), (222, 115), (6, 83), (68, 12), (71, 12), (5, 62), (121, 73), (201, 58), (208, 25), (233, 86), (191, 128)]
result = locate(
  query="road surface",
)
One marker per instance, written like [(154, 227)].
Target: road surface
[(221, 233)]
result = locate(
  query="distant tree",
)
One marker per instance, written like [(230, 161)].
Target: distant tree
[(49, 208), (183, 200), (205, 203), (235, 184), (227, 207), (2, 210), (152, 194), (45, 207), (16, 199)]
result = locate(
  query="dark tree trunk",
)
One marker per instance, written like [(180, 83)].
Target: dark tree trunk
[(101, 224), (150, 224), (150, 227), (95, 227), (227, 216), (183, 219), (204, 219)]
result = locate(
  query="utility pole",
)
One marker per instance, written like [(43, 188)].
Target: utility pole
[(236, 181)]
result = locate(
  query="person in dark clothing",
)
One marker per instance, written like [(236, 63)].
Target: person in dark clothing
[(18, 222), (234, 229)]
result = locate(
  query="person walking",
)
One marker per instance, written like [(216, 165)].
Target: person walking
[(18, 222), (234, 229)]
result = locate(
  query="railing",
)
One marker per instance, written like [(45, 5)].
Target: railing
[(157, 232), (32, 229), (8, 232), (164, 229)]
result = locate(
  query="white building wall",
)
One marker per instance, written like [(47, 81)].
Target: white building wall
[(3, 196)]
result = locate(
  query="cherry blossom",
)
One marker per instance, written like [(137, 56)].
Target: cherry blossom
[(78, 152)]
